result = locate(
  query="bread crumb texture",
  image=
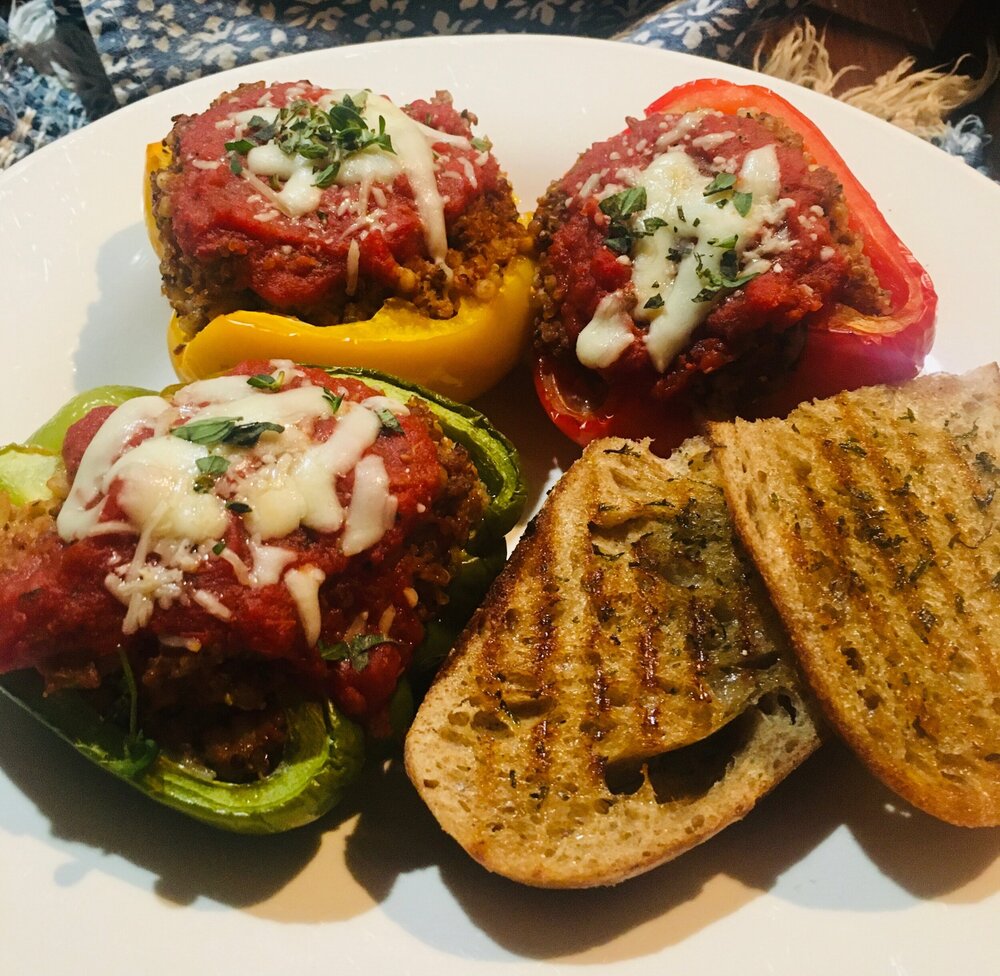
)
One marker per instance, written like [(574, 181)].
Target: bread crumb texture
[(873, 519), (626, 691)]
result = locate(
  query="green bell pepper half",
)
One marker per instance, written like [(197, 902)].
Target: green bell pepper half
[(325, 751)]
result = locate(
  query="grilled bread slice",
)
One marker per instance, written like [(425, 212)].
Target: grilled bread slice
[(626, 691), (873, 517)]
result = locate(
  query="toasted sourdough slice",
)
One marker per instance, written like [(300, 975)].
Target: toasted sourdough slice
[(625, 692), (873, 520)]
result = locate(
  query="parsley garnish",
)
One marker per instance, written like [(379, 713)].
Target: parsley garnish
[(742, 202), (482, 143), (238, 508), (334, 401), (355, 649), (219, 547), (619, 207), (725, 279), (326, 138), (622, 206), (656, 301)]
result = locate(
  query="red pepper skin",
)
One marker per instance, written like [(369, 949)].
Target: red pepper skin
[(844, 349)]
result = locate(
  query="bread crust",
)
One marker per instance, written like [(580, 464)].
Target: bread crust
[(872, 518), (625, 692)]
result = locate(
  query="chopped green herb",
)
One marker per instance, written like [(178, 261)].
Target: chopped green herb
[(333, 400), (265, 381), (219, 547), (210, 468), (909, 415), (727, 244), (213, 464), (726, 278), (355, 649), (722, 182), (653, 224), (655, 301), (482, 143), (211, 431), (326, 138), (853, 446), (389, 422), (742, 202), (247, 435), (235, 165), (238, 508), (618, 206), (680, 214), (224, 430)]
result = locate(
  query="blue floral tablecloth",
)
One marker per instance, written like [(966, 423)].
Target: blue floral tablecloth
[(64, 63)]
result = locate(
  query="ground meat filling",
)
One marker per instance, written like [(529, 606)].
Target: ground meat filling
[(802, 258), (228, 246), (213, 690)]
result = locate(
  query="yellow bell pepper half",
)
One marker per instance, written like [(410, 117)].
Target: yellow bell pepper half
[(461, 357)]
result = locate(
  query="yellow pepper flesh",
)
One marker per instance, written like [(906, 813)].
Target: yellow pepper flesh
[(461, 357)]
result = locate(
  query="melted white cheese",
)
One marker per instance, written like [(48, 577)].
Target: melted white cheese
[(372, 509), (607, 335), (412, 155), (303, 585), (665, 279), (288, 479)]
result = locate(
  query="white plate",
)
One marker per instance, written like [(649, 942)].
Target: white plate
[(827, 876)]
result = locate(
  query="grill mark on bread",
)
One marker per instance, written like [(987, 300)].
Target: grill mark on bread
[(624, 770), (910, 672)]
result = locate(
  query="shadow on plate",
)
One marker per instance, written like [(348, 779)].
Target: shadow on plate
[(124, 337), (913, 856), (92, 815)]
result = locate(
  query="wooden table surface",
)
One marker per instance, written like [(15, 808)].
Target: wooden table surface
[(877, 34)]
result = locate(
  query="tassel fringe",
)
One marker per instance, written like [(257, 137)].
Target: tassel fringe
[(918, 101)]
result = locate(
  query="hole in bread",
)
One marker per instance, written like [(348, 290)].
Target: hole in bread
[(525, 708), (774, 701), (687, 773), (853, 659)]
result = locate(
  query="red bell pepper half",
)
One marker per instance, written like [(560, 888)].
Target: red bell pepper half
[(844, 348)]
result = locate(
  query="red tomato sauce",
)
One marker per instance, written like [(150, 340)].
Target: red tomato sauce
[(810, 274), (296, 262), (55, 610)]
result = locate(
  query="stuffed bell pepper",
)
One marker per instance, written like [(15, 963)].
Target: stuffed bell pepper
[(226, 592), (716, 257), (333, 227)]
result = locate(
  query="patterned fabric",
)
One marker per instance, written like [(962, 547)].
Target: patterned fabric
[(64, 63), (137, 47), (147, 45)]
